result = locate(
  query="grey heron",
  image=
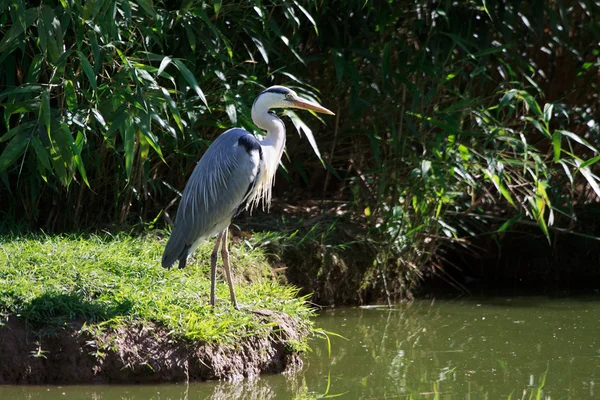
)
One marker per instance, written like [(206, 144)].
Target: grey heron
[(237, 171)]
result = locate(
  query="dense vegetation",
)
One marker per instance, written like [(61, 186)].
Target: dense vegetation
[(455, 119)]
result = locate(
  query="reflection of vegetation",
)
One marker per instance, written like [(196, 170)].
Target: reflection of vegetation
[(453, 349), (538, 390)]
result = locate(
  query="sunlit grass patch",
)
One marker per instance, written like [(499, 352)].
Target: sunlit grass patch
[(106, 282)]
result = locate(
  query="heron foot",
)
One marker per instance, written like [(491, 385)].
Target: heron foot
[(234, 304)]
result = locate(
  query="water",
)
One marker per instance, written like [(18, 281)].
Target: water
[(472, 349)]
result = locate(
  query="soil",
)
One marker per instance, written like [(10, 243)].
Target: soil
[(139, 354)]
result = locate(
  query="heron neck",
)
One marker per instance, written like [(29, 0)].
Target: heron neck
[(274, 142), (272, 147)]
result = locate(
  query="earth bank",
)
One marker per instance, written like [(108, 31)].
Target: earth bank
[(101, 309), (141, 354)]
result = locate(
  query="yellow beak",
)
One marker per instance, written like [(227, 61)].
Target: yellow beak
[(309, 105)]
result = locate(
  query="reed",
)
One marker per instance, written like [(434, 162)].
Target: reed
[(455, 119)]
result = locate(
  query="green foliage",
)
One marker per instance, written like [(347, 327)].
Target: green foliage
[(49, 281), (108, 104), (460, 125), (454, 119)]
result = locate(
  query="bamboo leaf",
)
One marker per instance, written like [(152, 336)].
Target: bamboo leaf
[(70, 95), (22, 107), (530, 101), (151, 139), (301, 127), (48, 19), (10, 37), (41, 153), (95, 52), (261, 49), (124, 59), (548, 107), (339, 64), (227, 44), (541, 192), (308, 16), (45, 116), (191, 80), (129, 147), (567, 170), (121, 116), (191, 36), (63, 57), (13, 132), (88, 10), (502, 189), (464, 152), (163, 64), (539, 126), (98, 117), (148, 7), (231, 112), (126, 7), (556, 137), (163, 124), (490, 50), (33, 74), (589, 162), (508, 96), (23, 89), (144, 148), (385, 60), (87, 69), (173, 108), (578, 139), (589, 176), (76, 150), (510, 222), (217, 6), (14, 149), (542, 223), (61, 153)]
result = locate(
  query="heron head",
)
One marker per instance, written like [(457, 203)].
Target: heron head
[(283, 97)]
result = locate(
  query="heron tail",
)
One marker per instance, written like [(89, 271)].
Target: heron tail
[(176, 249)]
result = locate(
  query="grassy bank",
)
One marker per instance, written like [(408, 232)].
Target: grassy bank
[(100, 287)]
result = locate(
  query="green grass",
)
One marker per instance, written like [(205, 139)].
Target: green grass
[(107, 282)]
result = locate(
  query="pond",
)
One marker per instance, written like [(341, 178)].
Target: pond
[(488, 348)]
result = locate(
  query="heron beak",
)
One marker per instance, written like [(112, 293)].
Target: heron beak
[(309, 105)]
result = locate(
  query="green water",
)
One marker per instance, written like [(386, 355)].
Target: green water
[(470, 349)]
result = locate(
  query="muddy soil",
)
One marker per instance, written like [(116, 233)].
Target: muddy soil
[(139, 354)]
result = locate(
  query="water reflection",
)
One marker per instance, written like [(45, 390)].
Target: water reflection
[(287, 386), (490, 348)]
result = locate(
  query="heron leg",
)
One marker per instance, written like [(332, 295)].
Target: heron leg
[(213, 268), (225, 257)]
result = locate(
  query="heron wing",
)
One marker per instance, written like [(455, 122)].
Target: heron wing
[(220, 183)]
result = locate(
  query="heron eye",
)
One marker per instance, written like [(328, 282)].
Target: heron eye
[(289, 96)]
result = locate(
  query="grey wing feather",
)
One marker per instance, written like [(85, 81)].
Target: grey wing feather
[(219, 184)]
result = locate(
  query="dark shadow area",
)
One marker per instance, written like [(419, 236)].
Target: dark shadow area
[(520, 263), (59, 310)]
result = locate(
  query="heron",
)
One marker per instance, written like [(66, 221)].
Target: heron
[(236, 172)]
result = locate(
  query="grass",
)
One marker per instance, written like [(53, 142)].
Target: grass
[(107, 282)]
